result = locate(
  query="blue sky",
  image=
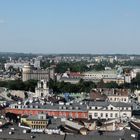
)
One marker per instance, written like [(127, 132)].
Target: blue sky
[(70, 26)]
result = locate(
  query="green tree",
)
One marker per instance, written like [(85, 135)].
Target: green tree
[(136, 81), (30, 85), (111, 85), (26, 94)]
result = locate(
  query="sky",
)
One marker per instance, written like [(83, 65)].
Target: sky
[(70, 26)]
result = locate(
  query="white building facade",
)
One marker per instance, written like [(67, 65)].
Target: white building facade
[(110, 111), (98, 75)]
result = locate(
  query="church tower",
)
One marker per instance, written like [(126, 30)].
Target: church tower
[(42, 89)]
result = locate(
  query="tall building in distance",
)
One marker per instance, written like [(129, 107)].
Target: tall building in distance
[(28, 73)]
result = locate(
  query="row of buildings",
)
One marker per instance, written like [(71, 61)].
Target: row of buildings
[(101, 103), (95, 76), (103, 110), (108, 75), (34, 71), (91, 110)]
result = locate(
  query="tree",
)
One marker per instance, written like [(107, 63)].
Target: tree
[(26, 94), (9, 95), (30, 85), (15, 85), (136, 81), (62, 87), (111, 85), (19, 85), (99, 67), (101, 84)]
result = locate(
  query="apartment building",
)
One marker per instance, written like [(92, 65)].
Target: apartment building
[(109, 110)]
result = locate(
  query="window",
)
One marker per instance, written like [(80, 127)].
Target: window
[(96, 108), (111, 108), (101, 114), (90, 116), (106, 114), (95, 114), (42, 94), (116, 115), (111, 115)]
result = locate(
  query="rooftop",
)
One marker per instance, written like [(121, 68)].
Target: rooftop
[(101, 72)]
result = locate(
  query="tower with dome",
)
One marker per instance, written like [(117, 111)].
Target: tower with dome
[(29, 73)]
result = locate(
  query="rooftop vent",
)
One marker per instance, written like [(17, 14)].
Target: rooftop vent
[(77, 107)]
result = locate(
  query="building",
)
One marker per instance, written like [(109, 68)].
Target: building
[(98, 75), (29, 73), (55, 110), (117, 95), (70, 80), (118, 80), (14, 65), (70, 77), (97, 95), (37, 64), (42, 89), (109, 110), (127, 78), (82, 110), (106, 75), (35, 122), (137, 93), (112, 95), (134, 72)]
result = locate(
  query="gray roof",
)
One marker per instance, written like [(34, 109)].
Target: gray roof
[(54, 106), (18, 135), (107, 103), (121, 104), (76, 106), (35, 118)]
